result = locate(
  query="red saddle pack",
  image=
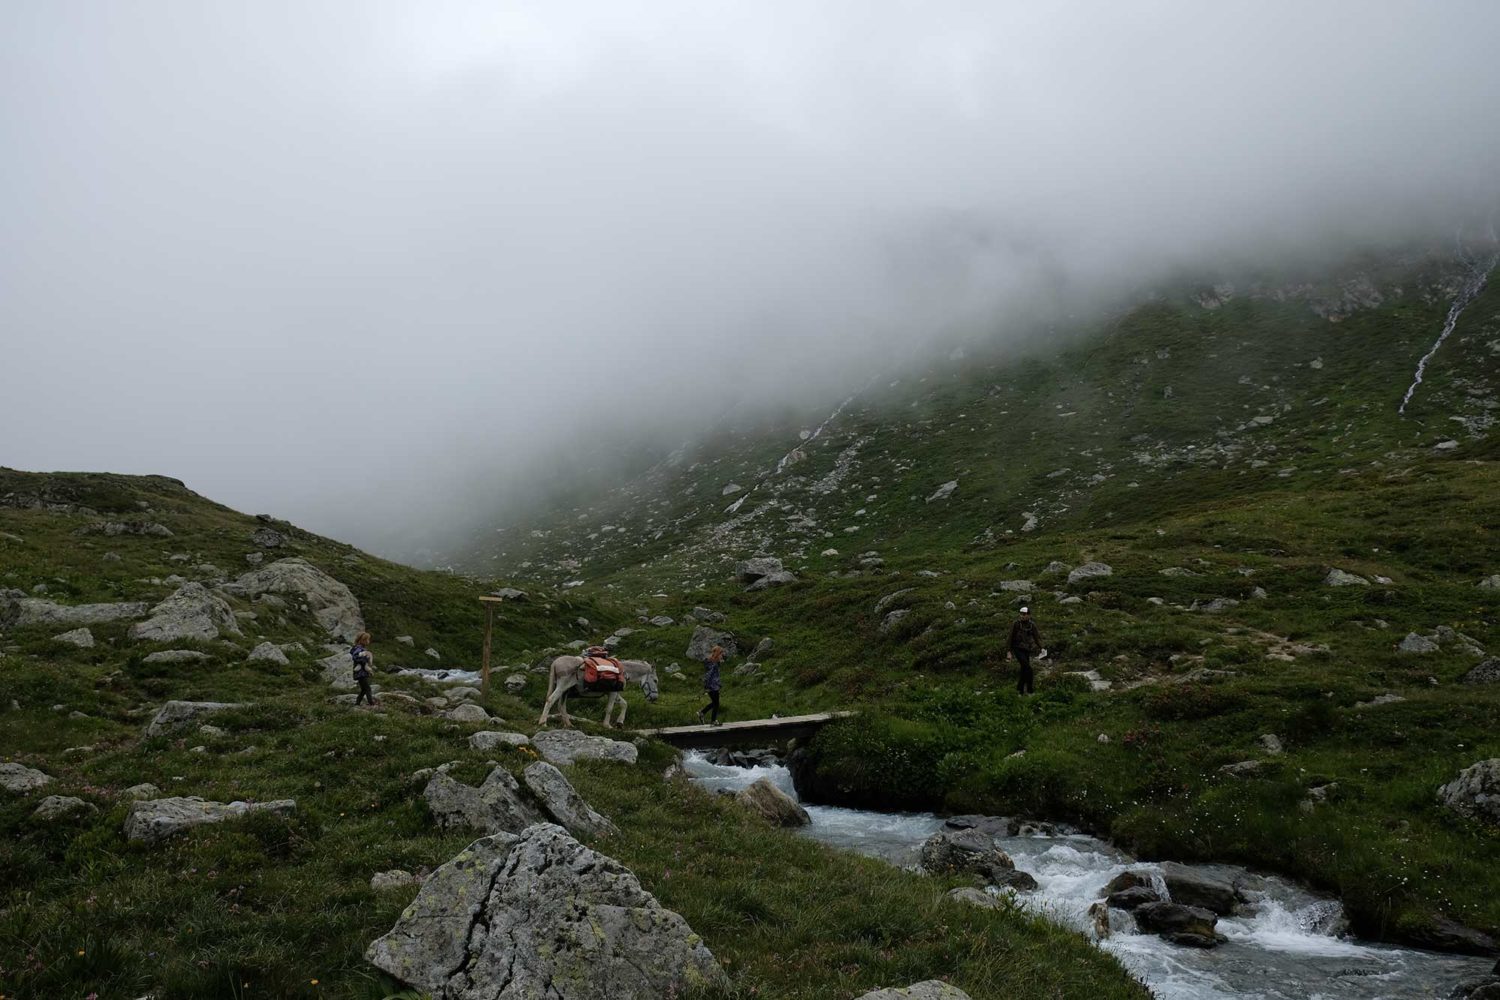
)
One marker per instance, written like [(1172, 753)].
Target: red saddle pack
[(602, 672)]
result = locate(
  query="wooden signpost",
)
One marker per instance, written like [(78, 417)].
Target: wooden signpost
[(489, 625)]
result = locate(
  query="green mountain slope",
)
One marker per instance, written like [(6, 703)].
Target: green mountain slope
[(1222, 449)]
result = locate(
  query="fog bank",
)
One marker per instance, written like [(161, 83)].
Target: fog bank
[(358, 264)]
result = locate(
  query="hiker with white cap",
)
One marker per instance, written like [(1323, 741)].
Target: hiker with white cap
[(1025, 642)]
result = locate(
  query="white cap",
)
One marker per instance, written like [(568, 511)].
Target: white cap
[(1025, 611)]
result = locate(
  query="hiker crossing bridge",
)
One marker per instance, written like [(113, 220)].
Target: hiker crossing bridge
[(746, 733)]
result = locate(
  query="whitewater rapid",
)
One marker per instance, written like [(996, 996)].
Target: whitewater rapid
[(1290, 945)]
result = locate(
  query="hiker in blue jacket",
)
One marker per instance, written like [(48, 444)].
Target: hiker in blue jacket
[(711, 684)]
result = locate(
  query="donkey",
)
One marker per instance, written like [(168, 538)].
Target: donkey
[(565, 676)]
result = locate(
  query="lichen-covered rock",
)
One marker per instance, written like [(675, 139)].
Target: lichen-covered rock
[(154, 820), (966, 851), (20, 779), (540, 915), (332, 604), (496, 806), (191, 612), (468, 713), (752, 570), (1418, 644), (145, 790), (269, 652), (931, 989), (515, 683), (974, 897), (62, 807), (563, 803), (1484, 672), (179, 714), (773, 804), (1475, 793), (565, 746)]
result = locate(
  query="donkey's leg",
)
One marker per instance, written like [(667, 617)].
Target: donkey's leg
[(552, 700), (624, 707), (563, 705)]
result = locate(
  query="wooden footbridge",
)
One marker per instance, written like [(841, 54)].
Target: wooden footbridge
[(747, 733)]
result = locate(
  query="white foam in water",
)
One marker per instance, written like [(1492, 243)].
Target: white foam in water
[(1286, 947), (443, 676)]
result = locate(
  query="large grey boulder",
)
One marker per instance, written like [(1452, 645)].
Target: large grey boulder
[(1491, 582), (19, 778), (155, 820), (931, 989), (542, 916), (966, 851), (705, 639), (1090, 571), (35, 611), (338, 668), (1420, 644), (191, 612), (332, 604), (752, 570), (495, 806), (564, 804), (467, 713), (777, 579), (1193, 887), (565, 746), (179, 714), (269, 652), (773, 804), (1475, 793), (891, 598)]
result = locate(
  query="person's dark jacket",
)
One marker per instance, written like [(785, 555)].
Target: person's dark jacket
[(1025, 636), (711, 675)]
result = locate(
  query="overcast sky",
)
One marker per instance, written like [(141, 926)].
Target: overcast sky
[(339, 261)]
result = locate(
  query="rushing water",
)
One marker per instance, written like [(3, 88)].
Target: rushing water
[(1290, 946)]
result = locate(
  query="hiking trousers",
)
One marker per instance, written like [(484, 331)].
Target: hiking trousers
[(713, 705), (1025, 682), (364, 691)]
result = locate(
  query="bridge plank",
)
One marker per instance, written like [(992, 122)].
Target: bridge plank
[(745, 726)]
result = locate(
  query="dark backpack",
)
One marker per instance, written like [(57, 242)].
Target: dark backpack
[(361, 662)]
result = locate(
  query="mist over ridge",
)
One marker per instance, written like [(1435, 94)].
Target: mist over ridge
[(363, 265)]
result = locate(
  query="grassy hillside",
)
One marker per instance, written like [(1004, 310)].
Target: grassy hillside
[(272, 906), (1222, 450)]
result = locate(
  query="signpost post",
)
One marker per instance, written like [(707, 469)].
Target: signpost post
[(489, 625)]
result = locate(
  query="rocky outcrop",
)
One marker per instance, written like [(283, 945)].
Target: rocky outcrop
[(755, 569), (35, 611), (540, 915), (773, 804), (338, 668), (495, 806), (192, 612), (566, 746), (966, 851), (467, 713), (564, 804), (974, 897), (1189, 925), (931, 989), (332, 604), (1129, 899), (179, 714), (155, 820), (20, 779), (705, 639), (396, 878), (1475, 793)]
